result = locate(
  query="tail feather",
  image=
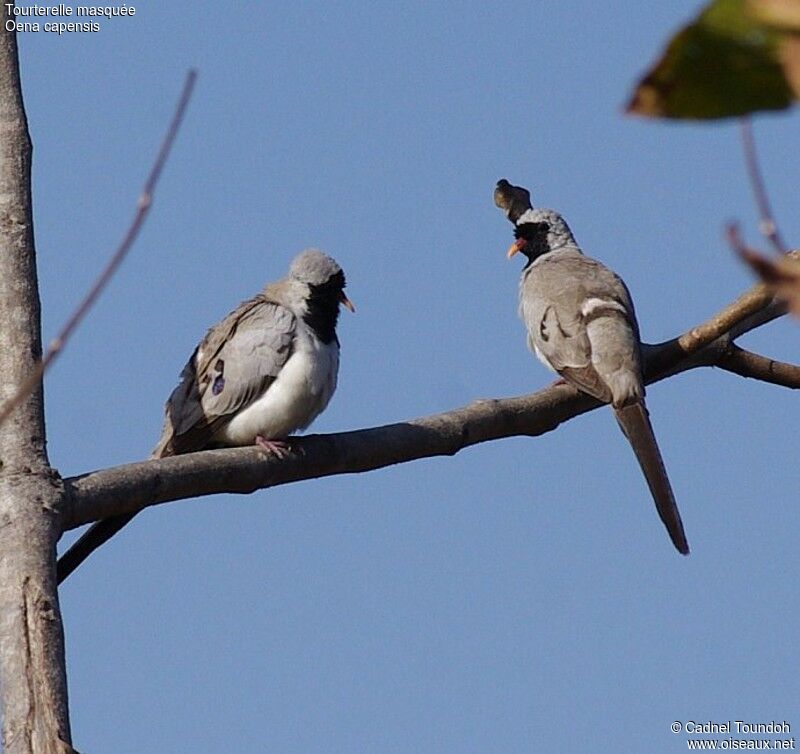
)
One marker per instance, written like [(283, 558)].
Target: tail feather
[(635, 423)]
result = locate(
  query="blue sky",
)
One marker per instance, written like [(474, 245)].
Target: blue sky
[(521, 596)]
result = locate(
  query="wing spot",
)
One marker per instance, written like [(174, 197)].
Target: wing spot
[(543, 332), (219, 381)]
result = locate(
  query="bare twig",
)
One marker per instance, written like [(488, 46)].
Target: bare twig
[(143, 205), (734, 238), (767, 224), (749, 364)]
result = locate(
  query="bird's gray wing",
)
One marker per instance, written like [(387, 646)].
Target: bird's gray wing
[(234, 364), (581, 321)]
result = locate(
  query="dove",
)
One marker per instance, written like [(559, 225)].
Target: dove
[(265, 371), (581, 324)]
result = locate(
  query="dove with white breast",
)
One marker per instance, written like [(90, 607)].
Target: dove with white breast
[(265, 371)]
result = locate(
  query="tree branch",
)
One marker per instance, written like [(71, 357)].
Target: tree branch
[(749, 364), (661, 359), (124, 489), (33, 682), (129, 488)]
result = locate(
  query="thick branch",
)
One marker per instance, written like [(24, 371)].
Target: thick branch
[(32, 668), (125, 489), (129, 488)]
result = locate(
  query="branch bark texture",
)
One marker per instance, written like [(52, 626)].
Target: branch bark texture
[(33, 686)]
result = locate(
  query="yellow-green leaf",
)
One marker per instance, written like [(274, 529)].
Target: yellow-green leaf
[(726, 63)]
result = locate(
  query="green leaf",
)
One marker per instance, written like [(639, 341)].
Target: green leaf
[(727, 63)]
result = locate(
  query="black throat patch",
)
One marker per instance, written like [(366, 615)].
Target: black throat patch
[(323, 307), (535, 237)]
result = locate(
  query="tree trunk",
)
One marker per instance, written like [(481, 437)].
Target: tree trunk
[(33, 684)]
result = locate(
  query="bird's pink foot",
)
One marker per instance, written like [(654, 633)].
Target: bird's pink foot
[(279, 448), (557, 383)]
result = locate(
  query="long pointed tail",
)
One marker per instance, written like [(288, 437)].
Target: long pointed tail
[(97, 535), (635, 423)]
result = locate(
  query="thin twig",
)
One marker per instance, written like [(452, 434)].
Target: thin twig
[(767, 224), (749, 364), (734, 238), (142, 207)]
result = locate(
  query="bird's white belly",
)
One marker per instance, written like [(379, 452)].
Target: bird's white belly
[(301, 390)]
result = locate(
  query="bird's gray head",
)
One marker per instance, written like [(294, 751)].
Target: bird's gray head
[(315, 268), (318, 286), (538, 231)]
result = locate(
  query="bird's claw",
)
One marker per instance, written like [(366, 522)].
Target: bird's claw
[(279, 448)]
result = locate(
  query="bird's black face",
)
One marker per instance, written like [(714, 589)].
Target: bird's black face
[(323, 306), (531, 240)]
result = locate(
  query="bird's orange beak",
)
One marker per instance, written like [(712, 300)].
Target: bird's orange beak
[(346, 302), (518, 245)]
